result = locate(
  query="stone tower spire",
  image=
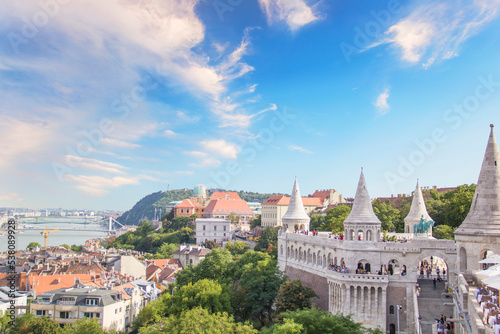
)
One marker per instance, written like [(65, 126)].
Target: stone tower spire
[(362, 223), (481, 228), (417, 210), (296, 216)]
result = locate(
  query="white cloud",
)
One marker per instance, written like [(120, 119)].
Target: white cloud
[(295, 13), (299, 149), (381, 103), (437, 30), (169, 133), (99, 165), (99, 186), (118, 143), (221, 147)]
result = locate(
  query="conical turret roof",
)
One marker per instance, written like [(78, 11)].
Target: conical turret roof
[(418, 208), (484, 214), (362, 209), (296, 209)]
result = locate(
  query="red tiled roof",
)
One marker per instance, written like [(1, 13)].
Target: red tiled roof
[(43, 284), (220, 194), (238, 206), (164, 262), (185, 204)]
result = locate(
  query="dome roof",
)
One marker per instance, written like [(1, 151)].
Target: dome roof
[(200, 189)]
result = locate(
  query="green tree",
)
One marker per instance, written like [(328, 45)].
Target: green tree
[(144, 228), (317, 222), (214, 266), (237, 248), (256, 222), (199, 321), (268, 237), (255, 293), (335, 217), (33, 244), (205, 293), (314, 320), (457, 204), (83, 326), (287, 327), (30, 324), (210, 244), (233, 218), (65, 246), (152, 312), (387, 214), (443, 232), (293, 296), (166, 251), (76, 248)]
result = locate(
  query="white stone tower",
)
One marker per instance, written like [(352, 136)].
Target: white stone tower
[(417, 211), (296, 217), (362, 223), (480, 230)]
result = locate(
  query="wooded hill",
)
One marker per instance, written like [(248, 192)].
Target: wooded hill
[(144, 209)]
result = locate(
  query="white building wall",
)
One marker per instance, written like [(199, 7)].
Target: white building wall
[(218, 230)]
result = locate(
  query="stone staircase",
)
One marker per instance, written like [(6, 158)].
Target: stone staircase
[(430, 304)]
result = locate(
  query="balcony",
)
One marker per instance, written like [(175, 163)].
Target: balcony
[(65, 302)]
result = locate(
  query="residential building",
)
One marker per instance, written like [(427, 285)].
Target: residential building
[(214, 229), (126, 264), (328, 197), (16, 299), (275, 207), (70, 304), (191, 254), (224, 204)]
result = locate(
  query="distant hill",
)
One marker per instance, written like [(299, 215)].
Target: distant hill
[(145, 208)]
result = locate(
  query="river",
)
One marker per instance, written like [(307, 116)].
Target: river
[(55, 238)]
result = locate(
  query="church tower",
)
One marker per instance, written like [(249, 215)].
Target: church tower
[(362, 223), (417, 211), (295, 217), (480, 231)]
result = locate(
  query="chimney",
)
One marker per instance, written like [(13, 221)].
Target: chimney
[(22, 282)]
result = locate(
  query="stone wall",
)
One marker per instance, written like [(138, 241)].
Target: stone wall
[(317, 283)]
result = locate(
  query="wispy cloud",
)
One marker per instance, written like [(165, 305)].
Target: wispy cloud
[(11, 197), (118, 143), (437, 30), (381, 103), (298, 149), (99, 186), (295, 13), (98, 165)]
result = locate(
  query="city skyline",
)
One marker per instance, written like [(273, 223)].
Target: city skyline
[(103, 104)]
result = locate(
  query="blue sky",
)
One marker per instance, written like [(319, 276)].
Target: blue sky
[(102, 103)]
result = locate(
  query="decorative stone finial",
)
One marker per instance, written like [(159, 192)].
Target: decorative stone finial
[(491, 126)]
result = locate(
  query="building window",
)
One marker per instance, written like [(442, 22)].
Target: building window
[(91, 301), (64, 315), (391, 309), (215, 228), (98, 315), (40, 312), (224, 229), (88, 315), (203, 227), (116, 311)]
